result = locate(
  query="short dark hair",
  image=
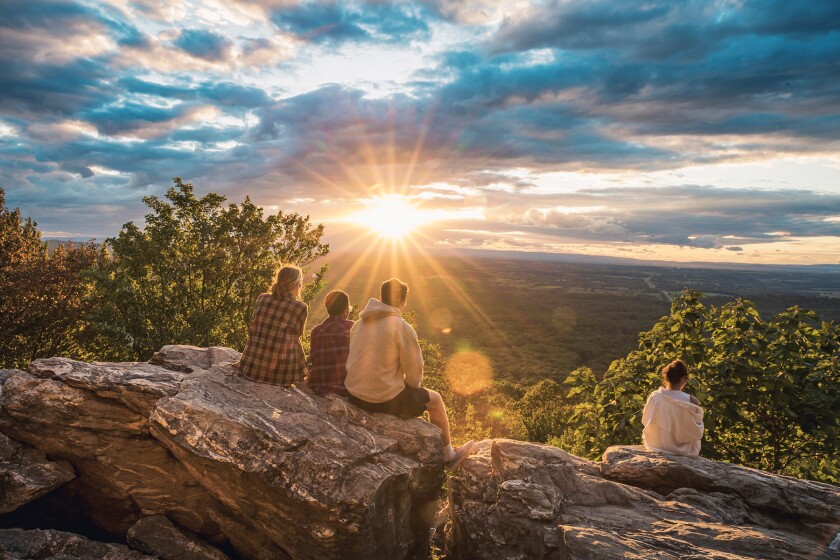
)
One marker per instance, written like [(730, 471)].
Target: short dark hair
[(393, 292), (674, 372), (336, 303)]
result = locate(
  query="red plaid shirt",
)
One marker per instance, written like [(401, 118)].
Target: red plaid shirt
[(329, 346), (273, 353)]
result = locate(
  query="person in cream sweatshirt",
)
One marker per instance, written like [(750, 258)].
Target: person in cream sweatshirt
[(673, 420), (384, 354), (385, 367)]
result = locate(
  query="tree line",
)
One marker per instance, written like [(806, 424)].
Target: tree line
[(770, 387), (190, 276)]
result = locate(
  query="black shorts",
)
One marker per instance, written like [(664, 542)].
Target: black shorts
[(410, 403)]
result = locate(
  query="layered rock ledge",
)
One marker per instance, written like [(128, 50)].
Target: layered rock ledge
[(266, 471), (519, 500), (36, 544)]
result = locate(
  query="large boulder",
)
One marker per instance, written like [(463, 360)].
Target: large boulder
[(275, 472), (26, 474), (520, 500), (156, 535)]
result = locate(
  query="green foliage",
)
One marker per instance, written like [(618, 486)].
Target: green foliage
[(482, 415), (770, 389), (191, 276), (41, 294), (543, 410)]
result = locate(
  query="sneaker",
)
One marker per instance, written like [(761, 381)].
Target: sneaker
[(460, 454)]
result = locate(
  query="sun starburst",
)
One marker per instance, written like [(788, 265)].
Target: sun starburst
[(391, 217)]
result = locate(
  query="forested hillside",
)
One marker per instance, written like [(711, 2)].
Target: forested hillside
[(536, 350)]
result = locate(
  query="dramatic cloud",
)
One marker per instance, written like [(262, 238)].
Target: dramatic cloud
[(203, 44), (543, 117), (337, 22)]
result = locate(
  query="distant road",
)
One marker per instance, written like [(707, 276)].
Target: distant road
[(650, 284)]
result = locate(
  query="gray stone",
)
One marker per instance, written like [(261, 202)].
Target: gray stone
[(37, 544), (758, 489), (189, 359), (278, 473), (519, 500), (156, 535), (280, 456), (124, 473), (26, 474), (137, 386)]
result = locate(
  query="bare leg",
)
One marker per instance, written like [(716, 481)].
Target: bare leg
[(438, 416)]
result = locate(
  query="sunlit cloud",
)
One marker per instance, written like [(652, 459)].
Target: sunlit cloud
[(395, 216), (655, 130)]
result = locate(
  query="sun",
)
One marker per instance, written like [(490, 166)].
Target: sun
[(390, 217)]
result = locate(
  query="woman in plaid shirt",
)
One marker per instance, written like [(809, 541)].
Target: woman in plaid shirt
[(273, 353), (329, 346)]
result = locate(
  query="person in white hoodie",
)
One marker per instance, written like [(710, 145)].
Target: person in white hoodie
[(385, 367), (673, 420)]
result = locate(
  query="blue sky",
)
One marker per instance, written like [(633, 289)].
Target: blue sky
[(687, 131)]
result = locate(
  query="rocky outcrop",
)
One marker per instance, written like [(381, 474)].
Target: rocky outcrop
[(521, 500), (271, 472), (182, 459), (26, 474), (37, 544), (156, 535)]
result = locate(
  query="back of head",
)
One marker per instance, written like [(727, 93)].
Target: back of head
[(674, 372), (287, 279), (336, 302), (393, 292)]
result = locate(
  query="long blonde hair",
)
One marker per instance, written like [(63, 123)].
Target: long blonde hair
[(288, 277)]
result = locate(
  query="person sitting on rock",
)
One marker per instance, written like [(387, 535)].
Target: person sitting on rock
[(672, 419), (273, 352), (385, 367), (329, 346)]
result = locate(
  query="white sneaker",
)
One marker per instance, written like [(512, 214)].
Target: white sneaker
[(460, 454)]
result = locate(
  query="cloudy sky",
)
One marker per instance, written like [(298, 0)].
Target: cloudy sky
[(681, 130)]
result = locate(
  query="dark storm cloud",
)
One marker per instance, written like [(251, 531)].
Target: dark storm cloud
[(325, 130), (19, 14), (130, 117), (665, 68), (33, 35), (663, 29), (225, 94), (53, 89), (338, 22), (61, 19), (204, 44)]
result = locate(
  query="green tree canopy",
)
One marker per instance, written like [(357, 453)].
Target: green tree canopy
[(192, 274), (42, 307), (770, 388)]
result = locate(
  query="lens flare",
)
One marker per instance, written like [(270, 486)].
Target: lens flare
[(441, 319), (469, 373)]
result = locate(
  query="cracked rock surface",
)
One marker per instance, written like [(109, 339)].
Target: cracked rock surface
[(269, 471), (521, 500)]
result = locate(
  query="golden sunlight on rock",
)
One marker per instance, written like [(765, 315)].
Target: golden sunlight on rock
[(469, 373)]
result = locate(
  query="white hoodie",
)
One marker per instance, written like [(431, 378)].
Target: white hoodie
[(671, 425), (384, 354)]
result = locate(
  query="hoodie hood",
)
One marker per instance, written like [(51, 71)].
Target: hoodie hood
[(690, 407), (375, 309)]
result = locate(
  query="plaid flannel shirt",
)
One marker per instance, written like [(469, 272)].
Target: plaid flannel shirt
[(273, 353), (329, 346)]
